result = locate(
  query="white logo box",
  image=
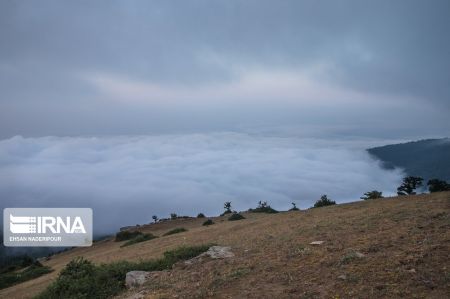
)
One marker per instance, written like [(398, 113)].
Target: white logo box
[(44, 227)]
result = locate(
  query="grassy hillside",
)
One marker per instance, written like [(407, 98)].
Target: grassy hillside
[(404, 242), (425, 158)]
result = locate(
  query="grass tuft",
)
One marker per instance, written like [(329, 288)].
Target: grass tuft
[(139, 239), (175, 231), (267, 209), (126, 235), (235, 216), (208, 222), (8, 279)]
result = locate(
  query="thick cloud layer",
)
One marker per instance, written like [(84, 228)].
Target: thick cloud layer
[(126, 180)]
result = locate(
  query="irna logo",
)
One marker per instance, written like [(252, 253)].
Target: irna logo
[(47, 227), (42, 225)]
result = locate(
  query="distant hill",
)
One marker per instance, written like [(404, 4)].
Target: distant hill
[(425, 158)]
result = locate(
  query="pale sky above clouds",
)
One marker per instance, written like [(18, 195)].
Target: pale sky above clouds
[(365, 68)]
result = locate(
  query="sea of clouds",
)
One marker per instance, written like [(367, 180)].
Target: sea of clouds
[(127, 179)]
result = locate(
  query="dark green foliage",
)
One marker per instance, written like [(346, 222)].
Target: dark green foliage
[(139, 238), (436, 185), (235, 216), (183, 253), (77, 280), (263, 207), (126, 235), (208, 222), (424, 158), (175, 231), (324, 201), (294, 207), (201, 215), (410, 183), (155, 218), (15, 263), (82, 279), (227, 207), (36, 269), (173, 216), (372, 195)]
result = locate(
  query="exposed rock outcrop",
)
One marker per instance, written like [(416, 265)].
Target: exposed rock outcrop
[(137, 278), (214, 252), (219, 252)]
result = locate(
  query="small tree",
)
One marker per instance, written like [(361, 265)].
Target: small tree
[(201, 215), (262, 204), (294, 207), (324, 201), (410, 183), (155, 218), (227, 207), (173, 216), (372, 195), (436, 185)]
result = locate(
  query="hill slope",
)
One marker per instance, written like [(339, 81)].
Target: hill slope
[(405, 242), (425, 158)]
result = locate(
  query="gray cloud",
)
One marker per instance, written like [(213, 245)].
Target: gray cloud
[(383, 50), (126, 180)]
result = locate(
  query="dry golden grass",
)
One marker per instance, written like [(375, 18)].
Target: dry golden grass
[(405, 240)]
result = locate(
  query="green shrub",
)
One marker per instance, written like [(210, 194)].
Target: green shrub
[(372, 195), (82, 279), (184, 253), (324, 201), (138, 239), (436, 185), (126, 235), (15, 263), (263, 207), (175, 231), (36, 269), (235, 216), (201, 215), (208, 222)]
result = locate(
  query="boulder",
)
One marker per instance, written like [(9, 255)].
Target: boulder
[(219, 252), (316, 243), (214, 252), (138, 278)]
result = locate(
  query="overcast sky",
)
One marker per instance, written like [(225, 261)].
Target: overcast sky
[(364, 68)]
